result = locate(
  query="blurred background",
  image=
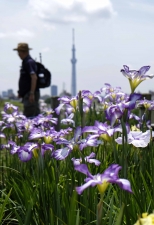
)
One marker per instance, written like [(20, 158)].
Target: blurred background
[(107, 35)]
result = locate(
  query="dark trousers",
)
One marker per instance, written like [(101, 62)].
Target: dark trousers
[(31, 109)]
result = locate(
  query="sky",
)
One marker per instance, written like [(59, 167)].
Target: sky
[(108, 35)]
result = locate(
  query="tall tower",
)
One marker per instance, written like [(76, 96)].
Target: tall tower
[(73, 61)]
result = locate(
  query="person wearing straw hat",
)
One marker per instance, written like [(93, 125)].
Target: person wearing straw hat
[(28, 90)]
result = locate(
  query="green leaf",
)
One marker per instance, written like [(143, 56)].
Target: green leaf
[(120, 215)]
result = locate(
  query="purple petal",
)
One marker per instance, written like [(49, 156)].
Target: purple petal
[(87, 101), (132, 100), (77, 134), (86, 185), (45, 147), (124, 184), (61, 154), (144, 69), (90, 129), (64, 99), (112, 171), (25, 156), (76, 162), (36, 133), (2, 135), (57, 110), (92, 155), (126, 68), (83, 169), (14, 148), (95, 161)]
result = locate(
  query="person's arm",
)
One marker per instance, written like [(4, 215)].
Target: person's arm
[(33, 87)]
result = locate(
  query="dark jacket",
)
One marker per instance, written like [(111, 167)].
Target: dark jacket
[(28, 67)]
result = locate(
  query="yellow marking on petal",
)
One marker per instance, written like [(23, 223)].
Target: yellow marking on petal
[(106, 137), (102, 187), (35, 152), (147, 105), (134, 83), (90, 97), (134, 128), (74, 103), (113, 95), (47, 139)]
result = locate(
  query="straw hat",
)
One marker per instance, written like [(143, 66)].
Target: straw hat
[(22, 47)]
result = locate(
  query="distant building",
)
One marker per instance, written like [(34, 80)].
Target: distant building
[(4, 94), (54, 90), (10, 93)]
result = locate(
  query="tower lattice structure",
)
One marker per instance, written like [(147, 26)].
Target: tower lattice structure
[(73, 61)]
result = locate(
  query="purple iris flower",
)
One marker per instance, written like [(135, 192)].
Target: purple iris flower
[(8, 107), (68, 119), (24, 152), (25, 125), (62, 153), (114, 95), (45, 120), (71, 102), (88, 94), (73, 141), (90, 140), (62, 133), (147, 104), (13, 117), (135, 77), (109, 89), (46, 147), (102, 181), (87, 159), (115, 112), (47, 135), (102, 130), (137, 138)]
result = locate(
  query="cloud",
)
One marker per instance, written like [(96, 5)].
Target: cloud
[(2, 35), (45, 49), (67, 11), (23, 33), (146, 7), (49, 27)]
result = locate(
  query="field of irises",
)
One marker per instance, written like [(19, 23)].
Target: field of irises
[(98, 168)]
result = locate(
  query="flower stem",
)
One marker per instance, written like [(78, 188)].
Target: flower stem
[(100, 211)]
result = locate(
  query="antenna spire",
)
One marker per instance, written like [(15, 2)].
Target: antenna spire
[(73, 35), (40, 57)]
